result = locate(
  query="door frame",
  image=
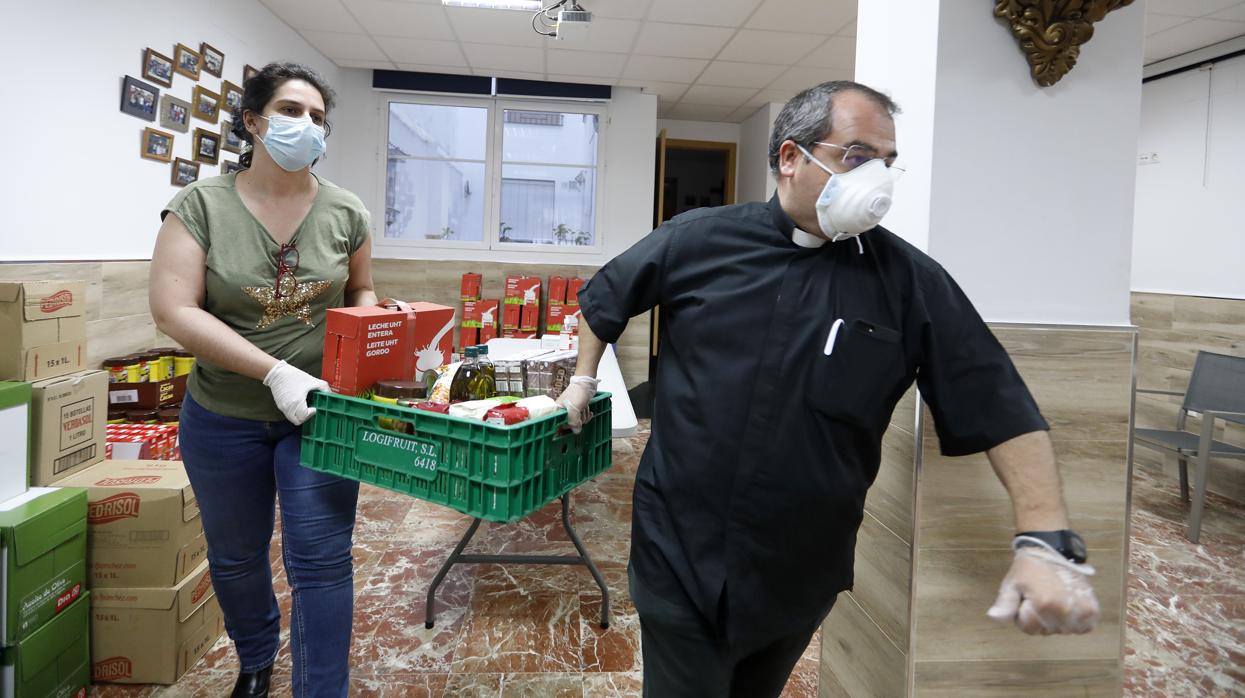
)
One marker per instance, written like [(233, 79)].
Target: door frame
[(732, 153)]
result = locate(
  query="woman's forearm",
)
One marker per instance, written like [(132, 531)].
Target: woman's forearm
[(208, 338)]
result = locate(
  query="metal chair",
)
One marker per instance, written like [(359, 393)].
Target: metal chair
[(1216, 392)]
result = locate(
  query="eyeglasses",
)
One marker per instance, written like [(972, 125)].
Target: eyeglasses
[(856, 155), (287, 264)]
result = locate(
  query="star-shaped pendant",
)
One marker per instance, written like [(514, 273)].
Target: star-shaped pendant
[(293, 302)]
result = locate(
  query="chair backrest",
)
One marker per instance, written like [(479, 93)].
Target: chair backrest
[(1218, 383)]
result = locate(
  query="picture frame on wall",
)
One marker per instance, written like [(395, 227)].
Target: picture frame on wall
[(229, 167), (187, 61), (248, 72), (157, 67), (230, 97), (205, 104), (184, 172), (157, 145), (229, 140), (174, 113), (213, 59), (206, 147), (139, 99)]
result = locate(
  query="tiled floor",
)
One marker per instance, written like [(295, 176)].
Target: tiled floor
[(1186, 602), (501, 630), (532, 631)]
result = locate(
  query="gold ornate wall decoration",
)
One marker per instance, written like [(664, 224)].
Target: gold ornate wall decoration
[(1051, 32)]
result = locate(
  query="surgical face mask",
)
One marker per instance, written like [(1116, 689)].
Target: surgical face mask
[(854, 201), (293, 143)]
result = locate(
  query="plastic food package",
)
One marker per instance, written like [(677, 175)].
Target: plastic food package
[(473, 409), (506, 415), (441, 389), (538, 406)]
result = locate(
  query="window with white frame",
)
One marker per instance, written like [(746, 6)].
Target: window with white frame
[(490, 173)]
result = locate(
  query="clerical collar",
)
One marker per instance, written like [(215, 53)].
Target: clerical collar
[(807, 240)]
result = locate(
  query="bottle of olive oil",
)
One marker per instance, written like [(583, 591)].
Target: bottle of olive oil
[(460, 388), (484, 384)]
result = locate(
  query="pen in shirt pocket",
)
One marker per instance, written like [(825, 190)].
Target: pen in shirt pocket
[(834, 335)]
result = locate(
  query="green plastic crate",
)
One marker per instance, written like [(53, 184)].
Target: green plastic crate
[(490, 472)]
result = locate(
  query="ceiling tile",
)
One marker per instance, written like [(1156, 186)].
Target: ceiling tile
[(664, 69), (623, 9), (601, 65), (1192, 35), (837, 52), (665, 91), (1156, 23), (582, 79), (740, 74), (800, 78), (721, 13), (426, 51), (814, 16), (767, 96), (502, 27), (751, 46), (681, 40), (1235, 14), (528, 60), (314, 15), (337, 45), (424, 68), (1188, 8), (369, 65), (404, 19), (719, 96), (613, 35), (700, 112)]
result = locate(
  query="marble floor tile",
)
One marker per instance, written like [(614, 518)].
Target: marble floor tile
[(522, 630)]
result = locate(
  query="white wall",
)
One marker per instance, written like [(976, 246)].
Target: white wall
[(700, 130), (913, 91), (1189, 235), (756, 182), (626, 213), (1031, 189), (74, 186)]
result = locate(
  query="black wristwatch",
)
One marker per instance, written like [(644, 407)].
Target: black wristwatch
[(1067, 542)]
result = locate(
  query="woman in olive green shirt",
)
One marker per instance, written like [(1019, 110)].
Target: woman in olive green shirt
[(244, 269)]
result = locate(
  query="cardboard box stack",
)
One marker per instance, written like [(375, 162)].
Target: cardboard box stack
[(479, 322), (521, 314), (556, 305), (153, 612), (44, 603), (42, 329)]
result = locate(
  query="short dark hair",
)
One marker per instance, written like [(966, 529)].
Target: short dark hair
[(257, 92), (808, 116)]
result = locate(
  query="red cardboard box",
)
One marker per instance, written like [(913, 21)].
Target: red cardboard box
[(511, 314), (553, 318), (471, 286), (488, 312), (368, 344), (530, 319), (468, 337), (572, 291), (433, 337), (557, 290)]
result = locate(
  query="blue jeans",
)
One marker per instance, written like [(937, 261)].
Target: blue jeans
[(237, 468)]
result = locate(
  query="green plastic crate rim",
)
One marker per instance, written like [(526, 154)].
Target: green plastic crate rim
[(496, 473)]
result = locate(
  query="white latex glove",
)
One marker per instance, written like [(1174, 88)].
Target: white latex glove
[(290, 387), (1044, 593), (576, 398)]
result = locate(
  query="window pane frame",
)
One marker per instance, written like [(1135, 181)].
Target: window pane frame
[(494, 148)]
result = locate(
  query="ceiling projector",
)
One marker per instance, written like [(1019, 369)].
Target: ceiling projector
[(570, 23)]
